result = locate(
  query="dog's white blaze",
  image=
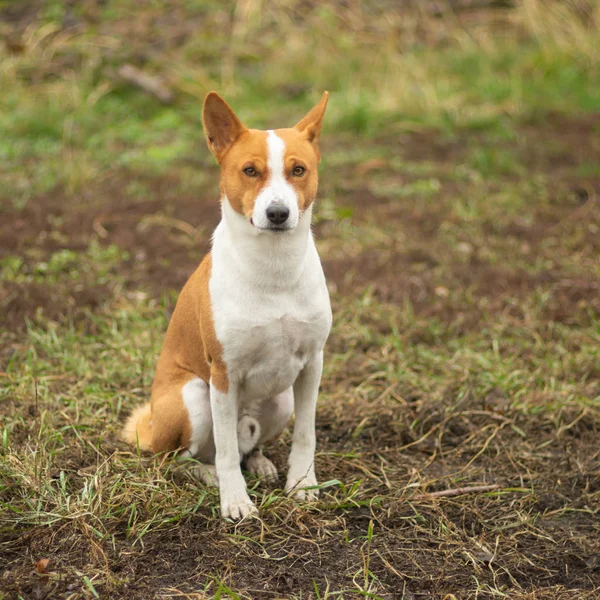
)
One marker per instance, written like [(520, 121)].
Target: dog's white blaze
[(277, 190), (276, 152)]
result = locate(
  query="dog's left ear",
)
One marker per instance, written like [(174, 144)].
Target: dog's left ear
[(310, 125)]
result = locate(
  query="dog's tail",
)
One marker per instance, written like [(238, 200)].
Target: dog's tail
[(138, 428), (248, 434)]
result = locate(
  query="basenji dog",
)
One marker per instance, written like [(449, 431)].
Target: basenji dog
[(244, 347)]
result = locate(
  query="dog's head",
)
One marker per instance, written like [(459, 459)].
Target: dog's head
[(269, 178)]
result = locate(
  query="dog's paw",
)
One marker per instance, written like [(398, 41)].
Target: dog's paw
[(259, 465), (237, 506), (296, 486), (205, 473)]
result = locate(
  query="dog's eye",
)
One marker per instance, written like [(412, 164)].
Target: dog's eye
[(298, 171), (250, 171)]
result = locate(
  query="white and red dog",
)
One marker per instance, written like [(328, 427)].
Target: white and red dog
[(244, 347)]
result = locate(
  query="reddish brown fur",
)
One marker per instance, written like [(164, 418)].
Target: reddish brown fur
[(250, 150), (191, 347), (237, 148)]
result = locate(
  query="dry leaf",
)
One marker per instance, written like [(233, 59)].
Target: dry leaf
[(41, 566)]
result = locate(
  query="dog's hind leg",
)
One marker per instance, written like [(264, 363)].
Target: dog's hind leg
[(196, 398), (182, 420), (206, 473), (257, 464), (198, 438)]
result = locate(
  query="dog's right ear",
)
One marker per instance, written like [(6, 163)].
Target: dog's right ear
[(221, 125)]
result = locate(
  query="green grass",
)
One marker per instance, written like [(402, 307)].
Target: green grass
[(89, 122), (96, 261), (63, 471), (458, 225)]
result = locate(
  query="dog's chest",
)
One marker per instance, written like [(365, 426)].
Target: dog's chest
[(267, 344)]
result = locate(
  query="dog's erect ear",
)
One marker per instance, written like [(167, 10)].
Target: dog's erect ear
[(221, 125), (311, 123)]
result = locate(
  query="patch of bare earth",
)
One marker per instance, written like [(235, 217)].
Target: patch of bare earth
[(459, 283), (538, 539), (164, 235)]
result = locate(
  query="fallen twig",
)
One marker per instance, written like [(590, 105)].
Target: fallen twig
[(458, 491), (149, 83)]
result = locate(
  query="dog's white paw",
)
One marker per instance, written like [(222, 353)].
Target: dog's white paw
[(296, 486), (206, 473), (237, 506), (259, 465)]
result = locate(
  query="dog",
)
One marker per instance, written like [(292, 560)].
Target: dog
[(244, 347)]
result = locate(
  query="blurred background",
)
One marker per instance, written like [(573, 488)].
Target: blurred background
[(459, 227), (433, 105)]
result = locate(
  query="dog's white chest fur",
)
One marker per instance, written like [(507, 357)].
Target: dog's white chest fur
[(271, 311), (269, 341)]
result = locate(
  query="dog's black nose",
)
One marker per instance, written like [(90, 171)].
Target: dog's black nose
[(278, 214)]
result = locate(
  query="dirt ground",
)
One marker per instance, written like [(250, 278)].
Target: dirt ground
[(538, 537), (166, 232)]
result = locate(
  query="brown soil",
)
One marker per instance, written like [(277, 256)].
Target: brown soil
[(167, 234), (423, 547), (160, 235), (545, 546)]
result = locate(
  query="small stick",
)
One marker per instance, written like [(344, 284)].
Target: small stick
[(149, 83), (459, 491)]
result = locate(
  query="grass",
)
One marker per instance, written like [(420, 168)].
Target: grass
[(434, 72), (458, 225)]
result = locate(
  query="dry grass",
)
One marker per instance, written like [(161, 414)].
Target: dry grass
[(458, 222)]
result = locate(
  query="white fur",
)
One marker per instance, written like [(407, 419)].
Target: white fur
[(270, 305), (196, 397), (248, 434), (274, 414), (272, 317), (235, 502), (301, 473), (277, 190), (252, 429)]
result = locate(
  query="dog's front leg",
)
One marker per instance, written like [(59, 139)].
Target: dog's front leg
[(302, 457), (235, 502)]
